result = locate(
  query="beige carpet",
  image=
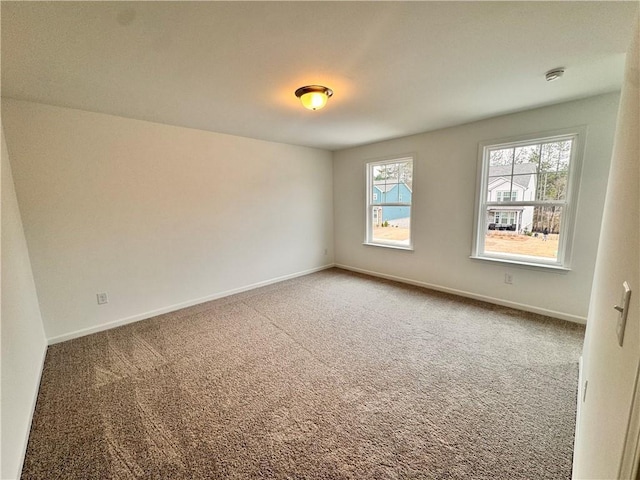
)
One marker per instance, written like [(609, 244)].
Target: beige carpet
[(329, 376)]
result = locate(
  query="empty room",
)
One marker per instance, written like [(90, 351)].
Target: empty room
[(320, 240)]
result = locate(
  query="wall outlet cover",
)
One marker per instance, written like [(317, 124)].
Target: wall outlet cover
[(102, 298)]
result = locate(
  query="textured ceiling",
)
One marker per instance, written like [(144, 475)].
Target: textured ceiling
[(396, 68)]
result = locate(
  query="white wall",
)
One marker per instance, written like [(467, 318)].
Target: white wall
[(23, 340), (443, 209), (158, 216), (612, 370)]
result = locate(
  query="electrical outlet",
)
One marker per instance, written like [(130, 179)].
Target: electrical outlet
[(326, 251), (508, 278), (102, 298)]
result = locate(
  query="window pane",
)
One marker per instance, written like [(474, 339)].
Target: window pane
[(391, 225), (406, 174), (552, 186), (500, 182), (524, 186), (378, 172), (525, 169), (376, 196), (548, 158), (497, 184), (556, 156), (392, 192), (388, 172), (565, 155), (501, 157), (527, 154), (548, 218), (525, 231)]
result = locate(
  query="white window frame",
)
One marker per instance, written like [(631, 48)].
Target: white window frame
[(369, 204), (569, 205), (498, 216), (500, 195)]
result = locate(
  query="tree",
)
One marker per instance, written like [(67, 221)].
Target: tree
[(401, 172), (553, 174)]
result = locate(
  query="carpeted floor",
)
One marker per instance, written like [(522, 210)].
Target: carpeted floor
[(329, 376)]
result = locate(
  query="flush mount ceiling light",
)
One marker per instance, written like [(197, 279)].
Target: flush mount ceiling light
[(314, 97), (554, 74)]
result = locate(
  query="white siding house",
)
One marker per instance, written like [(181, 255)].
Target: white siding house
[(507, 185)]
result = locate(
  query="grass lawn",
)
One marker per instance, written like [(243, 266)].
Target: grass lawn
[(390, 233), (498, 242), (507, 242)]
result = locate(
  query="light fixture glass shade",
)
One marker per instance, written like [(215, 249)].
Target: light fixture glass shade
[(314, 97), (314, 100)]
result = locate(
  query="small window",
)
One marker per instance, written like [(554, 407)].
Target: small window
[(526, 197), (390, 187), (506, 196)]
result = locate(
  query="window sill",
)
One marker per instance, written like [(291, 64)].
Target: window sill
[(385, 245), (520, 263)]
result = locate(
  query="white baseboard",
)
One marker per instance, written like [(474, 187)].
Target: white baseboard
[(226, 293), (178, 306), (497, 301)]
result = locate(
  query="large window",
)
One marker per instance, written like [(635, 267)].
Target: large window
[(389, 195), (526, 198), (505, 218)]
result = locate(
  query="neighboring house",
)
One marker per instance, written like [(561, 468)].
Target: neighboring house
[(383, 193), (507, 186)]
